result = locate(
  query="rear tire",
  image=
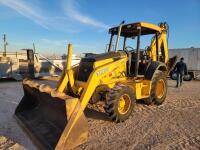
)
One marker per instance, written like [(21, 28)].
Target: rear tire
[(173, 75), (120, 102), (188, 77), (158, 89)]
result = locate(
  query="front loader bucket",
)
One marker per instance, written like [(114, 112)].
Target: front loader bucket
[(54, 120)]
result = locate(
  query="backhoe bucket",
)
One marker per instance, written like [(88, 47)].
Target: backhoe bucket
[(54, 120)]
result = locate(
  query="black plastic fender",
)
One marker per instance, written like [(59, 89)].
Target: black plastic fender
[(153, 67)]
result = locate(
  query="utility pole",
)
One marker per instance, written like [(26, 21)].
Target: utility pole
[(4, 44), (34, 48)]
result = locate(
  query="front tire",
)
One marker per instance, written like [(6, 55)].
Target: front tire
[(120, 102), (158, 89)]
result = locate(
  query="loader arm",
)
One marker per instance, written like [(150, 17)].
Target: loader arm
[(95, 78), (161, 45), (67, 74)]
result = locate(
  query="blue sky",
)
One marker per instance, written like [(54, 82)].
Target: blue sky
[(51, 24)]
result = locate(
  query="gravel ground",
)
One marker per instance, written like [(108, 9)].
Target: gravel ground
[(173, 125)]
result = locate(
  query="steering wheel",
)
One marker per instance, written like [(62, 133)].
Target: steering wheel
[(130, 49)]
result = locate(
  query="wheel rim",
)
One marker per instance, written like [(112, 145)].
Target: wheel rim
[(187, 77), (174, 76), (160, 88), (124, 104)]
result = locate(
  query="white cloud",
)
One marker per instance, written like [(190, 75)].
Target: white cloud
[(63, 23), (27, 10), (71, 10), (36, 14)]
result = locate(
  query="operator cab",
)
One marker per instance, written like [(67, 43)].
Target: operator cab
[(138, 59)]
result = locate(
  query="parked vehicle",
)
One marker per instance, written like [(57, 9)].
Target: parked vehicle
[(191, 58), (119, 77)]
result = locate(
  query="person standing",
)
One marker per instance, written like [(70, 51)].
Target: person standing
[(181, 69)]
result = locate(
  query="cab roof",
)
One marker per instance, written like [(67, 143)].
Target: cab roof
[(130, 30)]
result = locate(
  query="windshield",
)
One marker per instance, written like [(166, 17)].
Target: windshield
[(129, 43)]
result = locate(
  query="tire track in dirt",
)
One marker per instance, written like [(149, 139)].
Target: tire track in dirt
[(142, 111), (168, 130), (178, 107), (158, 118), (189, 143)]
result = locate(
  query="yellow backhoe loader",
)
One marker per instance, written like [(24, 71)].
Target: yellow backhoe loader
[(120, 77)]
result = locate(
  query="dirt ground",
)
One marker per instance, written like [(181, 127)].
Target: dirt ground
[(173, 125)]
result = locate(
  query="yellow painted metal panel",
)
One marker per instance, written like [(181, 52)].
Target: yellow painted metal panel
[(150, 26)]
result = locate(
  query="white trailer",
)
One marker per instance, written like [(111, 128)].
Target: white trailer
[(191, 58)]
